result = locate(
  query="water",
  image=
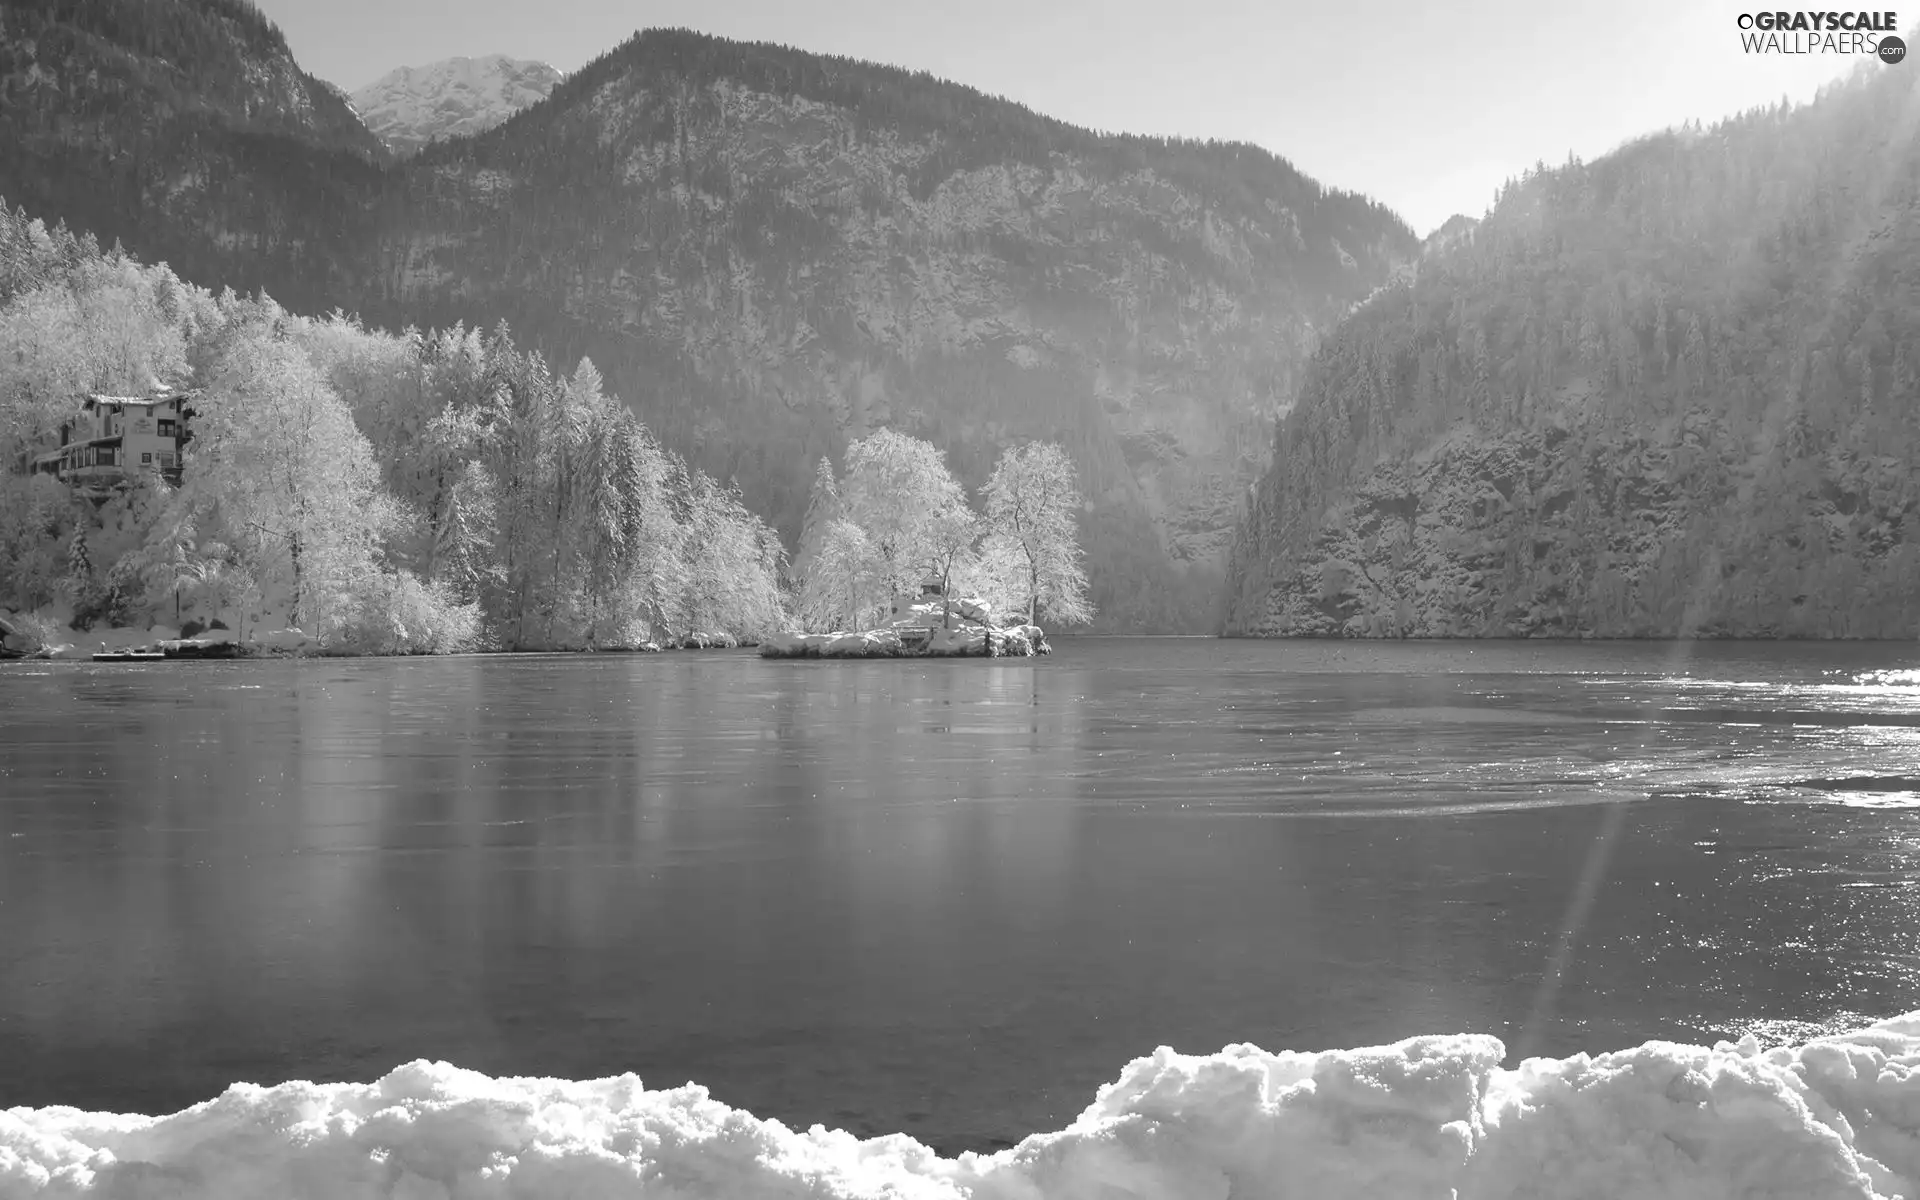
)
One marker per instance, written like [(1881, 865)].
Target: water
[(946, 898)]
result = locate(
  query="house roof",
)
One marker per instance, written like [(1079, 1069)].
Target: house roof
[(147, 402)]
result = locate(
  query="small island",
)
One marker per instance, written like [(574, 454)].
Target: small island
[(899, 515), (931, 626)]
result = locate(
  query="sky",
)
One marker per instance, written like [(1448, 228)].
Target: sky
[(1425, 106)]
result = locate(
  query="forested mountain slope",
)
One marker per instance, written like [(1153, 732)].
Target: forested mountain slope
[(183, 128), (770, 252), (1670, 392)]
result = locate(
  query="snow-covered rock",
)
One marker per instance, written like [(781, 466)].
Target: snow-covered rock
[(283, 639), (1430, 1118), (960, 640), (920, 633), (974, 610), (412, 106), (782, 645), (851, 645)]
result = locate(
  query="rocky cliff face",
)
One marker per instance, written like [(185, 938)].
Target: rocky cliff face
[(456, 97), (1669, 393), (769, 253)]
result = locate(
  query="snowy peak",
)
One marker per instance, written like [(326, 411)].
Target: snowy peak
[(455, 97)]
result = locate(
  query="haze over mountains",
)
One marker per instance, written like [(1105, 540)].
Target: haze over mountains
[(1561, 420)]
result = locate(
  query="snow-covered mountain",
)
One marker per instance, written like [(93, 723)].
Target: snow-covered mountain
[(412, 106)]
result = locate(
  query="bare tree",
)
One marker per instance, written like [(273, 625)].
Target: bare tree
[(1032, 500), (950, 539), (896, 486)]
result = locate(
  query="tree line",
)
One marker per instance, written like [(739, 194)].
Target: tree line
[(1706, 334), (897, 518), (419, 491)]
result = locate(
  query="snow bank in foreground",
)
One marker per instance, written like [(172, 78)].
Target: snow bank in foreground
[(1432, 1117)]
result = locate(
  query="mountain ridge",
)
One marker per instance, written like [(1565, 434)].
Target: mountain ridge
[(1006, 213), (770, 253)]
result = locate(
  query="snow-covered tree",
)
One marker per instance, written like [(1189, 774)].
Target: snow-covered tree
[(951, 537), (1032, 506), (287, 475), (388, 493), (732, 567), (823, 506), (896, 486), (843, 584), (102, 331)]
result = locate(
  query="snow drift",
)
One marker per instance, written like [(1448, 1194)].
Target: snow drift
[(1433, 1117)]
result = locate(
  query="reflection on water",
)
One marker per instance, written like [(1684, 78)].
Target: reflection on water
[(945, 897)]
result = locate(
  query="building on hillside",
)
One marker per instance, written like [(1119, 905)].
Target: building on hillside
[(113, 439)]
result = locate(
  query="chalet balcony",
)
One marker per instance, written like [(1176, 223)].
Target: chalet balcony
[(114, 439)]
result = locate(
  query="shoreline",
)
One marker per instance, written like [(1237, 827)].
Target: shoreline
[(250, 652), (1537, 637)]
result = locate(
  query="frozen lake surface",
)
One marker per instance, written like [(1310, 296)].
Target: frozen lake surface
[(949, 898)]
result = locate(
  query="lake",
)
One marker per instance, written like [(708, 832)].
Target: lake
[(944, 897)]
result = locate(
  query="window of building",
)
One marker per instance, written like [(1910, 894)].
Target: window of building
[(166, 429), (146, 457)]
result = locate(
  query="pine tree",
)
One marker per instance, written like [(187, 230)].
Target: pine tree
[(823, 506), (79, 561)]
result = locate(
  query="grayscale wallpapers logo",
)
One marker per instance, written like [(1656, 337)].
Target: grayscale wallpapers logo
[(1847, 33)]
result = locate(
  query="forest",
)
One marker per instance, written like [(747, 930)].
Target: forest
[(446, 490), (1670, 392), (898, 519), (413, 492)]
